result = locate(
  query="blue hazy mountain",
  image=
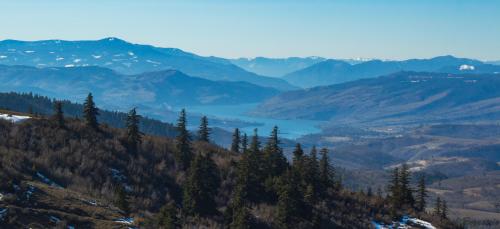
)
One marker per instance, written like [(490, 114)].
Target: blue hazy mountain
[(495, 62), (275, 67), (126, 58), (168, 88), (337, 71), (404, 97)]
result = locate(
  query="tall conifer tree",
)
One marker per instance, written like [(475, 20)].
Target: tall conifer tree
[(58, 115), (326, 172), (406, 191), (275, 161), (204, 130), (421, 194), (134, 136), (244, 143), (235, 145), (183, 154), (395, 188), (437, 207), (90, 112), (201, 187)]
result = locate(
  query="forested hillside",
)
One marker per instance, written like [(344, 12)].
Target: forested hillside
[(42, 105), (64, 172)]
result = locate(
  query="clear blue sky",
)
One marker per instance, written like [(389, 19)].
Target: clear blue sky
[(248, 28)]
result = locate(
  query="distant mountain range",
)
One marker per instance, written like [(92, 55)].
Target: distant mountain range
[(276, 67), (336, 71), (400, 98), (279, 67), (169, 88), (497, 62), (126, 58)]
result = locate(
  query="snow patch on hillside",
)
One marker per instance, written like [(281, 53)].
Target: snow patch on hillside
[(125, 220), (14, 118), (3, 213), (405, 222), (465, 67), (47, 180), (54, 219)]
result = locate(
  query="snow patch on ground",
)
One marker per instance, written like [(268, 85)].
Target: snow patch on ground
[(117, 175), (90, 202), (29, 192), (59, 58), (47, 180), (405, 222), (54, 219), (3, 213), (152, 62), (3, 57), (77, 60), (69, 65), (96, 56), (14, 118), (29, 51), (465, 67), (125, 220)]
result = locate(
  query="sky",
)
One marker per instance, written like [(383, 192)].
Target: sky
[(397, 29)]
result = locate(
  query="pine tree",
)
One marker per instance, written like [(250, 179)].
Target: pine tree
[(244, 143), (313, 169), (255, 143), (134, 137), (444, 210), (406, 190), (299, 168), (204, 131), (437, 208), (290, 203), (90, 112), (167, 217), (421, 194), (298, 157), (275, 161), (235, 145), (309, 173), (201, 187), (58, 115), (249, 176), (183, 142), (395, 189), (326, 173)]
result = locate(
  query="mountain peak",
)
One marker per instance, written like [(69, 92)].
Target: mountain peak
[(113, 39)]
